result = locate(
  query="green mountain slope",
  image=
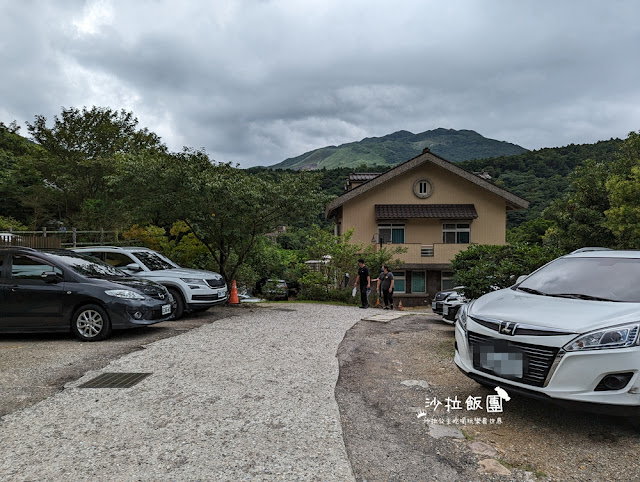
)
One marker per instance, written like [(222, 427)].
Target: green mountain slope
[(400, 146)]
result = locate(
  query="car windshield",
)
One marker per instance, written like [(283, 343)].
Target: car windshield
[(86, 265), (153, 261), (599, 279)]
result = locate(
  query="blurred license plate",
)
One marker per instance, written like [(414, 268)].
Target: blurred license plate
[(508, 363), (221, 294), (166, 309), (445, 310)]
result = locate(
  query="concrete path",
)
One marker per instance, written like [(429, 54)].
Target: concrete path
[(247, 397)]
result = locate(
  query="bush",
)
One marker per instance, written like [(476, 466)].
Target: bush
[(483, 268)]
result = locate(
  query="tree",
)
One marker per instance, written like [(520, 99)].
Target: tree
[(623, 188), (78, 157), (227, 209), (482, 268)]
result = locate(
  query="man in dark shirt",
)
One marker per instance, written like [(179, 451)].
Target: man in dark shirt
[(386, 284), (363, 281)]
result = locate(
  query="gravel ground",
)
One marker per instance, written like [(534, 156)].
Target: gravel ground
[(247, 397), (35, 366), (388, 371)]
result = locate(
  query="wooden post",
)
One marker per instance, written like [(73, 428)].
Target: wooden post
[(101, 235), (74, 237), (44, 231)]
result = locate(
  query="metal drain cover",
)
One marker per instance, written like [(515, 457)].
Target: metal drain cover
[(283, 309), (115, 380)]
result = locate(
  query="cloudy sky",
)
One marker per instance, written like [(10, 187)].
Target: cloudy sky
[(258, 81)]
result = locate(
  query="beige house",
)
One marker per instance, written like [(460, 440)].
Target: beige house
[(430, 206)]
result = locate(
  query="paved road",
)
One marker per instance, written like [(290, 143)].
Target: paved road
[(247, 397)]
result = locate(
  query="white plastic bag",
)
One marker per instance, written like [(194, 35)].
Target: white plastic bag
[(353, 293)]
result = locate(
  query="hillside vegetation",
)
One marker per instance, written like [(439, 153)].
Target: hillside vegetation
[(400, 146)]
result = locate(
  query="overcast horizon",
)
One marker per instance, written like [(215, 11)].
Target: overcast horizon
[(257, 81)]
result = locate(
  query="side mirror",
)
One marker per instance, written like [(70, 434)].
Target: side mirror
[(521, 278), (133, 267), (50, 277)]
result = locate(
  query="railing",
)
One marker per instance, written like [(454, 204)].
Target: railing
[(61, 238), (438, 253)]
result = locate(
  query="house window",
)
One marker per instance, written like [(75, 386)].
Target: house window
[(422, 188), (418, 282), (391, 233), (459, 233), (447, 280), (399, 284)]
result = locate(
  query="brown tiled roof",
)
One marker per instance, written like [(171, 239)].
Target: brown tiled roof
[(512, 201), (440, 211), (363, 176)]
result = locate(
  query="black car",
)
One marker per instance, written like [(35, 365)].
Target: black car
[(59, 290)]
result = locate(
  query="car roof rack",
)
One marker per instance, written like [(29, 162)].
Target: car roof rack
[(13, 246), (590, 248)]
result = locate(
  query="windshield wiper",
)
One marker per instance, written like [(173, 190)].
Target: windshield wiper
[(580, 296), (532, 291)]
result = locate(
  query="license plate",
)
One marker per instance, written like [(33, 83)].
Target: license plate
[(504, 363), (445, 310), (166, 309), (221, 294), (433, 305)]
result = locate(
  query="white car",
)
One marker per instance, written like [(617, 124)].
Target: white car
[(194, 290), (566, 333)]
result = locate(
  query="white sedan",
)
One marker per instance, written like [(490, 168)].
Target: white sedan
[(569, 332)]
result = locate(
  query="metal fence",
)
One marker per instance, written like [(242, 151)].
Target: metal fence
[(62, 238)]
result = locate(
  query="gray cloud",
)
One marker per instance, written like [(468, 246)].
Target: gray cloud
[(256, 82)]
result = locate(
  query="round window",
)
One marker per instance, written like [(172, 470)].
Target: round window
[(423, 188)]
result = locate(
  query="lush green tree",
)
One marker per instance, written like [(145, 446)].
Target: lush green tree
[(623, 188), (78, 158), (227, 209), (579, 215), (483, 268), (530, 232)]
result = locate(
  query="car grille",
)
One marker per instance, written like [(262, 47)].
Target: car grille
[(155, 293), (438, 308), (216, 283), (537, 359)]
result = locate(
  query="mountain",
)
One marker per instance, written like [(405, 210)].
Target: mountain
[(401, 146)]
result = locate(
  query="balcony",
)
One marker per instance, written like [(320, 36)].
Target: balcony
[(437, 253)]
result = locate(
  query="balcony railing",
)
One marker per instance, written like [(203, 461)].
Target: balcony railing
[(429, 253)]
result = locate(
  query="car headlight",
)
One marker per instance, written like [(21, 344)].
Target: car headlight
[(195, 281), (461, 316), (621, 336), (126, 294)]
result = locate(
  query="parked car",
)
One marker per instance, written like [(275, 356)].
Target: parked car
[(441, 296), (59, 290), (451, 306), (276, 289), (569, 333), (194, 290)]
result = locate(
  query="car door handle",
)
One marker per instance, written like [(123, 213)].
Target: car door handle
[(15, 288)]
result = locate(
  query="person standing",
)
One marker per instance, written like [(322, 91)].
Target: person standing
[(363, 281), (387, 282)]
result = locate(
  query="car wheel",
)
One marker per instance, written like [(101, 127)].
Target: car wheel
[(179, 303), (91, 323)]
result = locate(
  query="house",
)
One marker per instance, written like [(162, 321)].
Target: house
[(430, 206)]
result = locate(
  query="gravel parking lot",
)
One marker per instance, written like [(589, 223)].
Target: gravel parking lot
[(387, 441), (251, 392), (36, 366)]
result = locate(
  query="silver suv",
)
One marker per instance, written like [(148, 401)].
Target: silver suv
[(194, 290)]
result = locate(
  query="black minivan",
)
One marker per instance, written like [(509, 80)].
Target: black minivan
[(60, 290)]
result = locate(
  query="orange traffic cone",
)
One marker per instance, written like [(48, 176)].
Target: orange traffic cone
[(233, 297), (400, 306)]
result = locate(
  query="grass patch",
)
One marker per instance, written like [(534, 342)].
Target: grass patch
[(467, 436), (446, 349), (526, 467)]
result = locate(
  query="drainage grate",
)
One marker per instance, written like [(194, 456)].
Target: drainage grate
[(283, 309), (115, 380)]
